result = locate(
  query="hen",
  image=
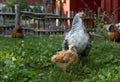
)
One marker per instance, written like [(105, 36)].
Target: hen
[(18, 32), (1, 30), (65, 58), (78, 36), (113, 32)]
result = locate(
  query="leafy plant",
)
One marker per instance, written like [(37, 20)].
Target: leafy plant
[(11, 3)]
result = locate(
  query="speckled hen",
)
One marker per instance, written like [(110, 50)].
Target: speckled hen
[(78, 36)]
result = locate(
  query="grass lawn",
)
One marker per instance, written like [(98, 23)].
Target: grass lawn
[(28, 60)]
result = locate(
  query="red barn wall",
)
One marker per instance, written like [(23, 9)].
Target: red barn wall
[(118, 13), (35, 1), (110, 6), (77, 5)]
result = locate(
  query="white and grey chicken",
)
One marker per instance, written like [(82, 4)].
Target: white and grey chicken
[(78, 36)]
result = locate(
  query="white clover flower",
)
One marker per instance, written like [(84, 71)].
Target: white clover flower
[(5, 76), (22, 45), (22, 41), (13, 59)]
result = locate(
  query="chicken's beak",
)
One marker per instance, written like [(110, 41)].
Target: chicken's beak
[(83, 16)]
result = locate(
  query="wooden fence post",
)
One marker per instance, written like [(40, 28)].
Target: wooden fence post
[(17, 15), (99, 11)]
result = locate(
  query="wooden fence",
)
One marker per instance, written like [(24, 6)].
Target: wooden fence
[(38, 23)]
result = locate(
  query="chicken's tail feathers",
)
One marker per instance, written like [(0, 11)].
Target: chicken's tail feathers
[(65, 45)]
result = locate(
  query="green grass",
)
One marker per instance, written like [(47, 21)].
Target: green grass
[(28, 60)]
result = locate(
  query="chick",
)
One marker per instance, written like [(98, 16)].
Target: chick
[(65, 58)]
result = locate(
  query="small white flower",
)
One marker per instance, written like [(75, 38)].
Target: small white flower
[(5, 76), (22, 45), (13, 59), (22, 41)]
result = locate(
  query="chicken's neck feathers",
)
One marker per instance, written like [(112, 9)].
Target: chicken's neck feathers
[(78, 24)]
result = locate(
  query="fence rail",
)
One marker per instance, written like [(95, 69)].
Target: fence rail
[(37, 23)]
